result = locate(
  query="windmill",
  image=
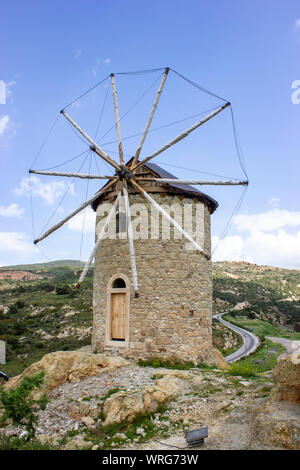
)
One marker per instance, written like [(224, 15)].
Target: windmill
[(128, 178)]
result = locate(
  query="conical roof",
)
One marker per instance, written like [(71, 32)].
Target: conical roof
[(152, 169)]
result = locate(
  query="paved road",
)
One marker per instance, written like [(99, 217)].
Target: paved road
[(291, 346), (251, 342)]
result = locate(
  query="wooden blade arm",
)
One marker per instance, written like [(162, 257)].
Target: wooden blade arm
[(72, 175), (118, 127), (85, 204), (169, 218), (100, 151), (161, 86), (181, 136), (130, 240), (193, 182), (99, 240)]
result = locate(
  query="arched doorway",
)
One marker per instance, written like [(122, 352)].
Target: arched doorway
[(117, 315)]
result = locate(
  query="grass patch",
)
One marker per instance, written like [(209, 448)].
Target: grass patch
[(111, 392), (242, 369), (261, 327), (262, 360), (208, 390), (15, 443), (108, 434), (158, 363)]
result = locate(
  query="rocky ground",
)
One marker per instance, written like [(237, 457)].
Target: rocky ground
[(97, 401), (193, 398)]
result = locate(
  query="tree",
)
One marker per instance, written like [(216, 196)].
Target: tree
[(20, 407)]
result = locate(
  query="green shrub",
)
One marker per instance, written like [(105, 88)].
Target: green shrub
[(62, 290), (244, 370), (12, 309), (20, 407)]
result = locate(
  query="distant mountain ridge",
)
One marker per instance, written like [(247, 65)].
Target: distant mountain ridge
[(58, 263)]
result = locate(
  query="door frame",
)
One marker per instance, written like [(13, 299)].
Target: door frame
[(111, 290)]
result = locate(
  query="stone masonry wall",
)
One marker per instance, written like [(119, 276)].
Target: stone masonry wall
[(172, 316)]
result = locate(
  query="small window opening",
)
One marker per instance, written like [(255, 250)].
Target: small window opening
[(121, 222), (118, 284)]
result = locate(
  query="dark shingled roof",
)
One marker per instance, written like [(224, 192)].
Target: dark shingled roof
[(184, 188)]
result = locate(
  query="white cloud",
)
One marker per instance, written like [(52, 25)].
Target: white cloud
[(268, 242), (88, 218), (297, 23), (273, 249), (274, 202), (5, 91), (13, 210), (49, 192), (107, 61), (16, 242), (267, 221), (4, 123), (2, 92)]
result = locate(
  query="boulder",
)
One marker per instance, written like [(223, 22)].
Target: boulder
[(171, 384), (87, 420), (181, 374), (278, 426), (67, 366), (125, 406), (286, 376), (75, 444)]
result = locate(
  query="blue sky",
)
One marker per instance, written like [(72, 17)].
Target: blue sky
[(245, 51)]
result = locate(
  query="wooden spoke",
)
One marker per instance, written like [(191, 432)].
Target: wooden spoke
[(130, 240), (100, 151), (181, 136), (118, 127), (169, 218), (99, 240), (136, 157), (79, 209), (193, 182), (73, 175)]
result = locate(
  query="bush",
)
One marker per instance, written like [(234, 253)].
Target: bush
[(245, 370), (20, 407), (62, 290), (12, 309)]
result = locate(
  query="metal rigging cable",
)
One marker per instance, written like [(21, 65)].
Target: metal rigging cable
[(198, 86), (67, 161), (162, 127), (86, 92), (131, 107), (231, 219), (65, 194)]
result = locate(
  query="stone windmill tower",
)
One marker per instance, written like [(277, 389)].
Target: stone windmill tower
[(152, 293), (169, 313)]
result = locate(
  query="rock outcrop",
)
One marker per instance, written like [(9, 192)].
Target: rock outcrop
[(68, 366), (286, 377), (278, 423), (125, 406), (278, 426)]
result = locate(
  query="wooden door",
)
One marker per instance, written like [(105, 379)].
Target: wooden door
[(118, 315)]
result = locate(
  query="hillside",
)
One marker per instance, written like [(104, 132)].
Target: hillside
[(40, 312), (263, 292)]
